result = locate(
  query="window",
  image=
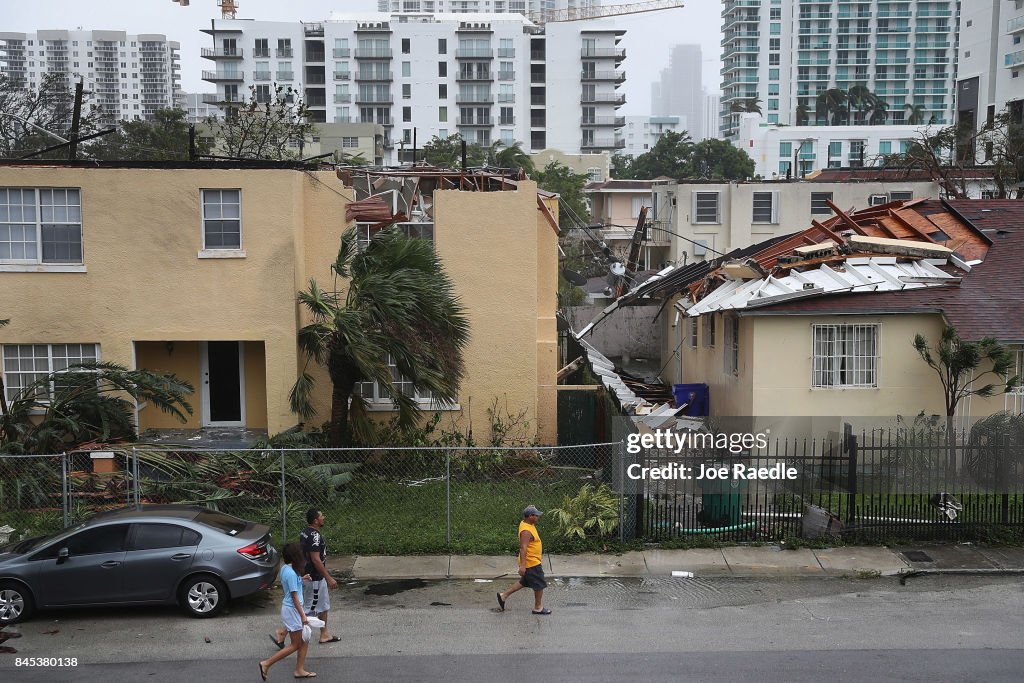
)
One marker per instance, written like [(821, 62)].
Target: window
[(24, 364), (732, 345), (705, 207), (638, 203), (373, 393), (885, 147), (442, 46), (901, 195), (40, 225), (406, 113), (709, 330), (442, 91), (349, 142), (844, 356), (693, 332), (764, 208), (406, 69), (442, 114), (442, 69), (785, 149), (1018, 369), (103, 539), (222, 219), (155, 536), (818, 205), (405, 46), (406, 91)]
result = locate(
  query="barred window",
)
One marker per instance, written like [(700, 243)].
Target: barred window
[(845, 356), (40, 225), (25, 364)]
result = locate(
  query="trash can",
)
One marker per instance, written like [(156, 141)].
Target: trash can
[(696, 396), (722, 501)]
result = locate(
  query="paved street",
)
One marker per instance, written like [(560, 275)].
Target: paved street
[(603, 629)]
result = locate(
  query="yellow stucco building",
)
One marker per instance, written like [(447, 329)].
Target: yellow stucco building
[(194, 269)]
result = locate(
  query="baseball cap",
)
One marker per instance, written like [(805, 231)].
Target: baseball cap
[(531, 510)]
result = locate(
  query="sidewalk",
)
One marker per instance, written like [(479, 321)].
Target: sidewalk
[(761, 561)]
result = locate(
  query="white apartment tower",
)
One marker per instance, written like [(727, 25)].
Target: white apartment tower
[(779, 55), (680, 91), (489, 77), (990, 66), (128, 77), (534, 9)]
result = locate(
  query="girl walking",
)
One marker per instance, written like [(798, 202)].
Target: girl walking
[(292, 616)]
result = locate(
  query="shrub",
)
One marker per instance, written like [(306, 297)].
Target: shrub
[(592, 513)]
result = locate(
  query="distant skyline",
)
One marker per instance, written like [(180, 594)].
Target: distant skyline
[(648, 42)]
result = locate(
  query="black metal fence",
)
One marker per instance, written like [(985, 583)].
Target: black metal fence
[(883, 484)]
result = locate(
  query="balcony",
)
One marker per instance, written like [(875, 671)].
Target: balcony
[(261, 53), (316, 57), (373, 53), (1015, 25), (285, 52), (211, 53), (223, 76), (603, 121), (474, 98), (506, 52), (1014, 58), (475, 76), (507, 121), (219, 99), (603, 98), (382, 76), (342, 75), (261, 75), (603, 53), (605, 143), (373, 27), (506, 75), (476, 122), (474, 53), (609, 76), (505, 98), (342, 98), (286, 75), (374, 98), (340, 52)]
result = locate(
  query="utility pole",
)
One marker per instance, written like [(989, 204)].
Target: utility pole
[(76, 120)]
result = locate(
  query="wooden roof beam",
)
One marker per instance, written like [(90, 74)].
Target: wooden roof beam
[(912, 228)]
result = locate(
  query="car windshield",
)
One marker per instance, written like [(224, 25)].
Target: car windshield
[(222, 522)]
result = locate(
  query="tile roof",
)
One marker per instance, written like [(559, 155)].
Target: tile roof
[(988, 301)]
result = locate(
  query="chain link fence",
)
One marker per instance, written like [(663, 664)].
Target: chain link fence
[(394, 500)]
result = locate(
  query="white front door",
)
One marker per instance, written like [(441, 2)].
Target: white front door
[(223, 384)]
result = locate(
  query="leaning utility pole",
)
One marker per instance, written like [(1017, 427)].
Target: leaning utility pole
[(76, 120)]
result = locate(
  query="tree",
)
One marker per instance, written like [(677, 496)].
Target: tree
[(264, 129), (668, 157), (621, 167), (751, 105), (803, 115), (447, 152), (164, 138), (400, 305), (718, 160), (24, 111), (916, 117), (83, 403), (515, 158), (830, 107), (957, 363), (569, 186)]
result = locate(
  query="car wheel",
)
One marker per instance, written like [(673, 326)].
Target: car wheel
[(203, 596), (15, 603)]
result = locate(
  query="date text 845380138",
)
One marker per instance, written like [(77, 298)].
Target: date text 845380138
[(46, 661)]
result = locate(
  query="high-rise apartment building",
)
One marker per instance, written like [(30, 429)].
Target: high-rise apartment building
[(127, 76), (990, 65), (534, 9), (489, 77), (680, 91), (780, 55)]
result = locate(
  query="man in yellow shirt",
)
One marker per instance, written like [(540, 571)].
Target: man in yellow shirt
[(531, 566)]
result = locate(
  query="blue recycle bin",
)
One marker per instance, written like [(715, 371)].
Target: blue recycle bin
[(696, 395)]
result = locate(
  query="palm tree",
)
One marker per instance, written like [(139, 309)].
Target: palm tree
[(830, 105), (861, 99), (803, 115), (751, 105), (515, 157), (400, 306), (916, 113)]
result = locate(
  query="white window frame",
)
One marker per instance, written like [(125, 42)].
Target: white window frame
[(13, 387), (698, 198), (773, 210), (373, 394), (219, 252), (694, 325), (845, 356), (823, 209), (639, 202), (709, 330), (36, 263)]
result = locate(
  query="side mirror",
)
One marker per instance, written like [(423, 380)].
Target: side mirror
[(62, 555)]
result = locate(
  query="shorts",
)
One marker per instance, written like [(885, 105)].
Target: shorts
[(291, 619), (316, 598), (534, 578)]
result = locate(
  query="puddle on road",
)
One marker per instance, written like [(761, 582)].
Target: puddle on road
[(394, 587)]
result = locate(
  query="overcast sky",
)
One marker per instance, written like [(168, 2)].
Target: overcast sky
[(648, 40)]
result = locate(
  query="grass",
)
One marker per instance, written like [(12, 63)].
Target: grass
[(388, 518)]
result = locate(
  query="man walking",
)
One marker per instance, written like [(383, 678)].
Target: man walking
[(316, 598), (531, 567)]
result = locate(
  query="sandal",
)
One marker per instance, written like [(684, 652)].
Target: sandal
[(263, 672), (332, 639), (501, 603), (544, 611), (275, 641)]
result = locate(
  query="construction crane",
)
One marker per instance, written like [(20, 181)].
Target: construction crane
[(228, 8), (602, 11)]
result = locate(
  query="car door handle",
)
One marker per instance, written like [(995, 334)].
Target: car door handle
[(110, 564), (181, 556)]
